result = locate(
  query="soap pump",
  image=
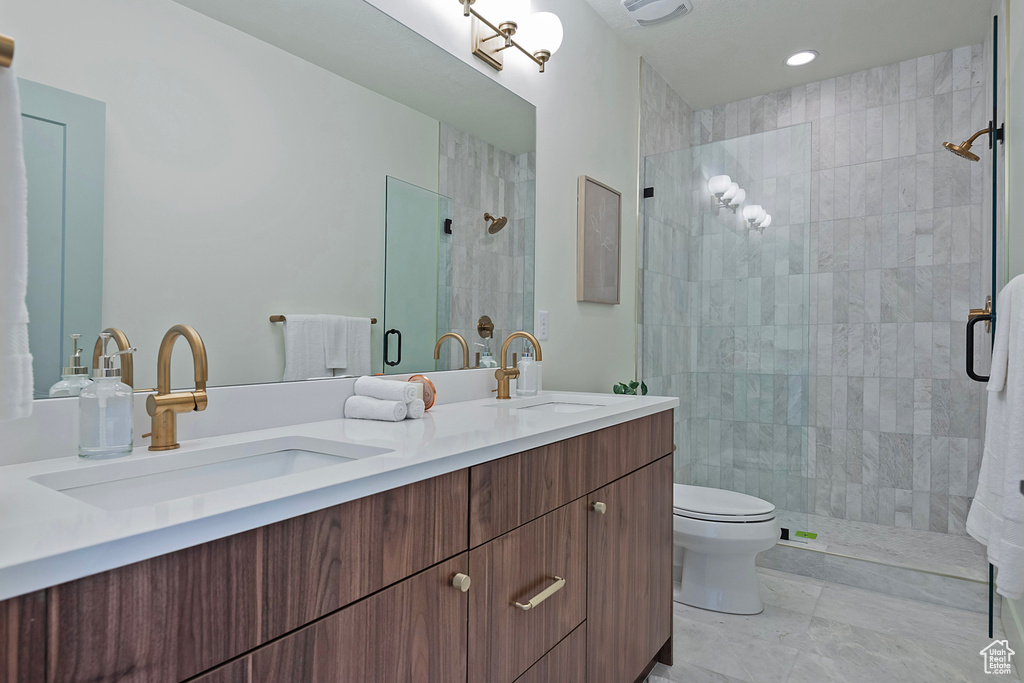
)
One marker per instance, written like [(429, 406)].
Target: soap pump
[(529, 381), (75, 376), (486, 360), (105, 409)]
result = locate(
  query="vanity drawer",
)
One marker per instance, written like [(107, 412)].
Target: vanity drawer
[(412, 632), (156, 621), (505, 640), (566, 663), (511, 491), (320, 562)]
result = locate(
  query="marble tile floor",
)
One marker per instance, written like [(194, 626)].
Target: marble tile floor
[(816, 632)]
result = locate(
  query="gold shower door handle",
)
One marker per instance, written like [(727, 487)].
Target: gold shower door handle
[(558, 585), (975, 312)]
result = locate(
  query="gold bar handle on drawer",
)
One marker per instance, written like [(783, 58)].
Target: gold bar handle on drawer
[(558, 585)]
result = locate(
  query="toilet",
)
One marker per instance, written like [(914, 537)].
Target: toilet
[(717, 535)]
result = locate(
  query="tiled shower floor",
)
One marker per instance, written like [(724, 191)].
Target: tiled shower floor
[(813, 631), (930, 551)]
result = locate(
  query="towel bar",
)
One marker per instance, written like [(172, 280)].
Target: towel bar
[(281, 319), (6, 50)]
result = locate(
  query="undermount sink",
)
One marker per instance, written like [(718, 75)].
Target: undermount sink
[(561, 403), (158, 479)]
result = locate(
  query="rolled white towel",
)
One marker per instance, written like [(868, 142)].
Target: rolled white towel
[(416, 408), (386, 389), (369, 408)]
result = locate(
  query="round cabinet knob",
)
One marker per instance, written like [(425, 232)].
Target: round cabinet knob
[(462, 582), (599, 508)]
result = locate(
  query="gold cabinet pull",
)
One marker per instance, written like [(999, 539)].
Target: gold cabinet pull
[(558, 585), (599, 508), (462, 582)]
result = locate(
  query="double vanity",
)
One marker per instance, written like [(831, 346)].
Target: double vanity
[(493, 541)]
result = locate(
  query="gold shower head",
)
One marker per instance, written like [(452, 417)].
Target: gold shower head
[(496, 223), (964, 148)]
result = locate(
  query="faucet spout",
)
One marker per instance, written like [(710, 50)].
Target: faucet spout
[(164, 406), (504, 374), (462, 342)]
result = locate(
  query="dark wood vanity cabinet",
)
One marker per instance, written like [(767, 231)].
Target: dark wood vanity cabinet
[(363, 591)]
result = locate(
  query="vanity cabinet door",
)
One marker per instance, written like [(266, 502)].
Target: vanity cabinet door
[(527, 563), (412, 632), (629, 598), (23, 638), (565, 663)]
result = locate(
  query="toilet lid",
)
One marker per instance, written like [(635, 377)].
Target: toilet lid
[(702, 502)]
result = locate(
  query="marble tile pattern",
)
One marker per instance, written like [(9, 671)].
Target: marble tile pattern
[(813, 631), (484, 274), (891, 253)]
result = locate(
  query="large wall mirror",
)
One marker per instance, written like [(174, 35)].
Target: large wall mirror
[(219, 162)]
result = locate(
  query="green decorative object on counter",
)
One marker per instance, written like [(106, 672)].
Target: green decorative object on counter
[(630, 389)]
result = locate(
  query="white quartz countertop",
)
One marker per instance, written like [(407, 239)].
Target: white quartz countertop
[(48, 537)]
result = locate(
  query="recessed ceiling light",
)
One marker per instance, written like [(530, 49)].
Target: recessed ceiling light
[(801, 58)]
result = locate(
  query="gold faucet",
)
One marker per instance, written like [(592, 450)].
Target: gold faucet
[(127, 365), (164, 406), (462, 343), (504, 373)]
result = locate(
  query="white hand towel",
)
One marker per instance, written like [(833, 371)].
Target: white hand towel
[(304, 356), (335, 341), (358, 350), (416, 409), (386, 389), (996, 518), (15, 359), (368, 408)]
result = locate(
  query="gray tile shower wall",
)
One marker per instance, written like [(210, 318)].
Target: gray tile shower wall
[(898, 255), (487, 274)]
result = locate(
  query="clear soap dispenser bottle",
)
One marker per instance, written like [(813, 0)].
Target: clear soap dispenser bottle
[(105, 410), (529, 380), (75, 376), (486, 360)]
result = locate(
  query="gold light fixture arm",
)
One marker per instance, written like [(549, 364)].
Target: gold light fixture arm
[(164, 406), (127, 364), (462, 342), (6, 50), (504, 374)]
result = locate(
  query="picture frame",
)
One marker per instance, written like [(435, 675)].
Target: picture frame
[(598, 242)]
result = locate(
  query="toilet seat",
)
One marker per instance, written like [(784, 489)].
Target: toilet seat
[(718, 505)]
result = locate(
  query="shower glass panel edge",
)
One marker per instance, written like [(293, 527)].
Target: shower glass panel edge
[(725, 316)]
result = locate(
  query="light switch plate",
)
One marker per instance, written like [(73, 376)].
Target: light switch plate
[(542, 325)]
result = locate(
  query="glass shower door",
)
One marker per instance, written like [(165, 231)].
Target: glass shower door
[(416, 273), (726, 323)]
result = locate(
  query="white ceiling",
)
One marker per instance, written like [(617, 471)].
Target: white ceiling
[(728, 50), (366, 46)]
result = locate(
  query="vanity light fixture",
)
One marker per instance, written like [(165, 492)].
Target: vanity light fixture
[(542, 32), (802, 57), (765, 223), (727, 194), (753, 214)]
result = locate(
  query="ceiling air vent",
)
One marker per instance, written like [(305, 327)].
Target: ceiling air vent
[(648, 12)]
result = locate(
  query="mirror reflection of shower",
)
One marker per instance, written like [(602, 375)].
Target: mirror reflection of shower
[(496, 224)]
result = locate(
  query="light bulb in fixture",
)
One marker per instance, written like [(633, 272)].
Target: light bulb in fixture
[(766, 222), (752, 212), (541, 32), (730, 193), (801, 58), (738, 198), (719, 184)]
